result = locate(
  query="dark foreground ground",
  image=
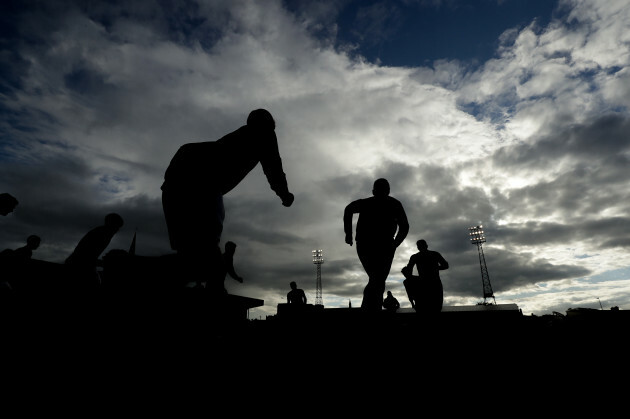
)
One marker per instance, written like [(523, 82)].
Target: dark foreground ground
[(139, 354), (181, 325), (112, 348)]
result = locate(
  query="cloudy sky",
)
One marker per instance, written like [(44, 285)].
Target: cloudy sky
[(508, 113)]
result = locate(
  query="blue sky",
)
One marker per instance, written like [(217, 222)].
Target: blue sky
[(512, 114), (408, 33)]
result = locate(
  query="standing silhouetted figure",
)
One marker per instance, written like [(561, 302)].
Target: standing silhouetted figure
[(390, 303), (83, 261), (381, 228), (12, 262), (228, 266), (425, 291), (296, 295), (7, 203), (197, 178)]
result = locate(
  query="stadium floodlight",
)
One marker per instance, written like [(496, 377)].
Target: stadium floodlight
[(477, 237), (476, 234), (318, 259)]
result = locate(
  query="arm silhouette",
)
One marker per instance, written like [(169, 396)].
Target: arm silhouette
[(403, 226), (272, 168), (350, 210)]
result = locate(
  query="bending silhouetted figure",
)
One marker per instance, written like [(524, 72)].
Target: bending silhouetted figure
[(7, 203), (201, 173), (296, 295), (381, 228), (425, 291), (390, 303), (83, 261)]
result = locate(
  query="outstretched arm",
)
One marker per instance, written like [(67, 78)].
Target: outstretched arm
[(234, 275), (403, 227), (272, 167), (442, 263), (350, 210), (407, 271), (229, 267)]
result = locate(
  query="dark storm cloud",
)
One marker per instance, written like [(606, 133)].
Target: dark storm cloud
[(440, 210), (595, 142), (507, 270), (60, 206), (585, 177)]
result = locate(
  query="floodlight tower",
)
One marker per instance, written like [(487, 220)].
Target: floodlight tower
[(477, 237), (318, 259)]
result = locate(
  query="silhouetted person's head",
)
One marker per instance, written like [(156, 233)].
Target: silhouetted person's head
[(7, 203), (230, 248), (293, 285), (261, 119), (113, 222), (33, 241), (422, 245), (389, 294), (381, 187)]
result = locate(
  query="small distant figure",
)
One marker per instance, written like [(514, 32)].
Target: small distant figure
[(26, 252), (296, 295), (7, 203), (228, 266), (12, 261), (425, 291), (85, 258), (390, 303), (381, 228), (200, 174)]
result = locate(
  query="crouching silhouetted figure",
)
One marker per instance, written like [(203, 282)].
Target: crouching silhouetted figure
[(390, 303)]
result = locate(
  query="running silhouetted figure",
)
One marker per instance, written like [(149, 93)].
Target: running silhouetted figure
[(390, 303), (425, 291), (381, 228), (84, 260), (201, 173), (296, 295)]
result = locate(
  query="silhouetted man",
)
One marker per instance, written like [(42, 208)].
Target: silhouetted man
[(25, 252), (296, 295), (201, 173), (425, 291), (228, 266), (381, 228), (84, 259), (7, 203)]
